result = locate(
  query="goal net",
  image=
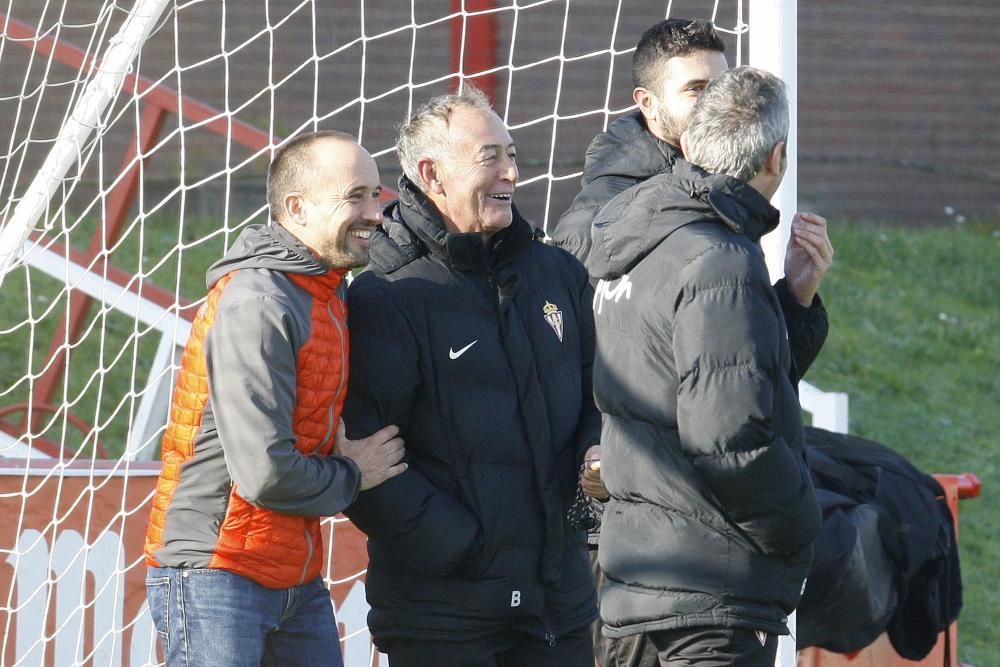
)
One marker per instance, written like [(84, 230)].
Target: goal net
[(135, 139)]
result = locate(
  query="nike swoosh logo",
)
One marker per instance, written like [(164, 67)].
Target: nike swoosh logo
[(452, 354)]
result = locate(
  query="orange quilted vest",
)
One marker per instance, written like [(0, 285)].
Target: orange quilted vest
[(275, 550)]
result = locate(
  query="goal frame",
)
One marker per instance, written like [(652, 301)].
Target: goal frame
[(93, 276)]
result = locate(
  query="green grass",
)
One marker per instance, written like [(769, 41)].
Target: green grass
[(110, 362), (915, 341)]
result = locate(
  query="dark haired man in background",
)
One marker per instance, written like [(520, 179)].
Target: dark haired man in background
[(674, 61)]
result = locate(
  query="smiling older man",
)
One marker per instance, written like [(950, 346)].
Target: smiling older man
[(476, 339)]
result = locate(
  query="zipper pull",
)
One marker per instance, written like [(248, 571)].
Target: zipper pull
[(550, 637)]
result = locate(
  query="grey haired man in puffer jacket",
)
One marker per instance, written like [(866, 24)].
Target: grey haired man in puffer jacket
[(707, 537)]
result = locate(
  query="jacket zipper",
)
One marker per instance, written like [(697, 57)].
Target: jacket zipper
[(343, 352), (309, 556), (494, 295), (330, 426), (550, 635), (547, 619), (330, 429)]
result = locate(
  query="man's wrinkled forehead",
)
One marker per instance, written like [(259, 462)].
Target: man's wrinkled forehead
[(478, 131), (345, 165)]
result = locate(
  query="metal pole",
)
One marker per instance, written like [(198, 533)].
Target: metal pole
[(773, 46), (98, 94), (474, 44)]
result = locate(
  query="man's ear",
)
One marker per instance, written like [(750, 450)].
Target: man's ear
[(684, 145), (429, 181), (294, 206), (776, 159), (646, 101)]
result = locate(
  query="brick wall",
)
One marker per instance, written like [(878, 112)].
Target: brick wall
[(898, 100), (899, 108)]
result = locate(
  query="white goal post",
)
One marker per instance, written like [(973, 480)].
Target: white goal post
[(136, 138), (98, 93)]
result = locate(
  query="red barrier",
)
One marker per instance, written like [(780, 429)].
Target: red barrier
[(72, 573), (72, 570)]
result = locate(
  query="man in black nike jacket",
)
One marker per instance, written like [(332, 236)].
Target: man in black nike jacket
[(476, 339)]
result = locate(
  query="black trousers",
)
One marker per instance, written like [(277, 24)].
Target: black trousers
[(696, 647), (505, 649), (630, 651)]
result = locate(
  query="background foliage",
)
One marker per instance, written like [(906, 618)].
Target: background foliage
[(915, 341)]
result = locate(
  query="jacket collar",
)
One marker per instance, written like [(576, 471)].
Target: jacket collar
[(271, 247), (635, 222), (413, 227), (627, 148)]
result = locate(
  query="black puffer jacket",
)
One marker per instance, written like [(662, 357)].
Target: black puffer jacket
[(712, 512), (483, 357), (626, 154)]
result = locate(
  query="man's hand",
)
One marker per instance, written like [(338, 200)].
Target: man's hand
[(808, 257), (590, 475), (379, 456)]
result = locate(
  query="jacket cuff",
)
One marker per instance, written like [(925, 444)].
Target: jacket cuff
[(354, 484), (791, 307)]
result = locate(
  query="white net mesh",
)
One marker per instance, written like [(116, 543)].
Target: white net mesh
[(153, 186)]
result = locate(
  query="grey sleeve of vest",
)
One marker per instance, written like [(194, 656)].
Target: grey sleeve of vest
[(251, 358)]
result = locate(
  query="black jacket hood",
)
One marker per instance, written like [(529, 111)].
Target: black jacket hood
[(639, 219), (628, 149), (618, 158), (267, 247)]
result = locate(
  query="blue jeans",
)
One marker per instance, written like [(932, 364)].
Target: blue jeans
[(214, 617)]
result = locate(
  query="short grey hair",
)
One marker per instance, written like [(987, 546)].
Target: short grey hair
[(291, 167), (424, 133), (736, 121)]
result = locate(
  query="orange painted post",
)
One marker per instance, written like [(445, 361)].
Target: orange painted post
[(479, 31)]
